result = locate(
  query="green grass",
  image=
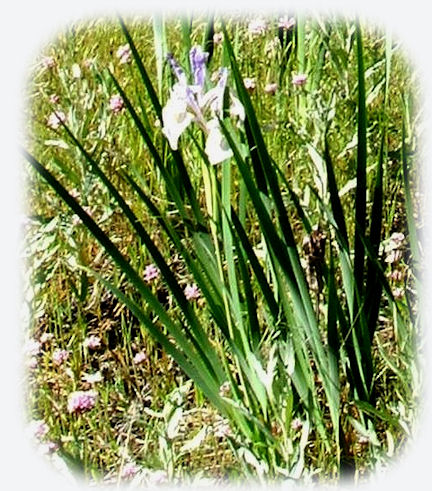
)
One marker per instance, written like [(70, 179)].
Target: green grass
[(307, 306)]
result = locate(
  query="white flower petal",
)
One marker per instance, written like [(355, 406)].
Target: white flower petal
[(214, 100), (175, 119), (217, 148), (237, 108)]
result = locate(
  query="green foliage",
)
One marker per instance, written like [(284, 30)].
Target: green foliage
[(292, 341)]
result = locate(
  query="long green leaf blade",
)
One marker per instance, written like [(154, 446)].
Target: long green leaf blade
[(143, 72)]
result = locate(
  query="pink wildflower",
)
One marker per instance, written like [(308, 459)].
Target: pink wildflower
[(55, 119), (54, 99), (129, 470), (151, 272), (217, 37), (257, 27), (296, 424), (46, 337), (60, 356), (286, 23), (81, 401), (88, 63), (38, 428), (393, 256), (124, 53), (393, 248), (92, 342), (396, 275), (192, 292), (157, 477), (397, 237), (271, 89), (32, 363), (116, 104), (48, 62), (140, 357), (299, 79), (48, 448), (32, 347), (249, 83), (398, 293)]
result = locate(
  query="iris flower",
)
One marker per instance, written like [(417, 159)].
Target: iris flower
[(191, 103)]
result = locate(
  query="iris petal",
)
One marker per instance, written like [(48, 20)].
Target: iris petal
[(198, 60), (175, 119), (217, 148)]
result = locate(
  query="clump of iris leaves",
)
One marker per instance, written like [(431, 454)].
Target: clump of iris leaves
[(281, 354)]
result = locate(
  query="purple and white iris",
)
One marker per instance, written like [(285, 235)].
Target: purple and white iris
[(190, 102)]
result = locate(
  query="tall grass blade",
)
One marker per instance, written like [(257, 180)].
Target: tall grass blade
[(360, 199), (412, 229), (143, 72), (186, 31), (335, 201), (208, 43), (373, 285), (256, 266), (362, 342), (160, 45)]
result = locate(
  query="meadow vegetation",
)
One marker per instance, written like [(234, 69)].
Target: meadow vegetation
[(222, 251)]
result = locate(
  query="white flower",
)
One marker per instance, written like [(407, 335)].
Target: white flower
[(271, 89), (257, 26), (189, 102), (237, 108), (92, 378), (38, 429), (216, 148), (175, 115), (46, 337), (124, 53), (213, 99), (140, 358), (286, 22), (92, 342), (398, 293), (56, 119), (299, 79), (249, 83), (394, 242), (76, 71)]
